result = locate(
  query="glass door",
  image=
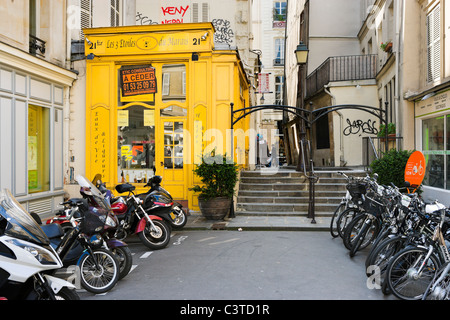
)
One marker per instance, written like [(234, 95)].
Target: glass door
[(173, 152)]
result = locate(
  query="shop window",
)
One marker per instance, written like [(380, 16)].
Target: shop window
[(173, 111), (174, 82), (38, 149), (433, 148), (136, 143)]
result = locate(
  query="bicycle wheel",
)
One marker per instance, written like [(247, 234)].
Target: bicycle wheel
[(439, 287), (357, 230), (383, 253), (367, 232), (334, 219), (345, 218), (402, 274)]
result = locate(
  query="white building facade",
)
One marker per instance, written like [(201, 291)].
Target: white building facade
[(35, 81)]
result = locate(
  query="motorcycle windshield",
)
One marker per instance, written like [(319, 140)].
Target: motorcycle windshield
[(21, 224), (98, 196)]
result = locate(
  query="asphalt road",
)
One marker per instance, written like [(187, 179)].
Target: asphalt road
[(252, 265)]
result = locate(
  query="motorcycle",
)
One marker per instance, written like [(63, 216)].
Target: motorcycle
[(151, 229), (176, 217), (82, 246), (105, 236), (27, 261)]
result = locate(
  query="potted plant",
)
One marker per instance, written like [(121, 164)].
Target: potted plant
[(391, 130), (387, 47), (219, 175)]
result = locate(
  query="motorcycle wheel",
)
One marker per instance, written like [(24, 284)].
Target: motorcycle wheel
[(155, 239), (99, 280), (67, 294), (123, 255), (180, 220)]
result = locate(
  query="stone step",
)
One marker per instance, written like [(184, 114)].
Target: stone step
[(290, 193), (278, 180), (286, 200), (297, 174), (303, 213), (285, 207), (291, 186)]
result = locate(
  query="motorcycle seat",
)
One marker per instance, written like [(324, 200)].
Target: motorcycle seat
[(125, 187), (53, 230)]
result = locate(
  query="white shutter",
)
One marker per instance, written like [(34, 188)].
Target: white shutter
[(198, 16), (115, 13), (434, 44), (205, 13), (86, 15), (195, 12), (166, 84)]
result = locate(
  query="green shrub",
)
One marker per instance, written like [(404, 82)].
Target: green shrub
[(391, 167), (219, 175)]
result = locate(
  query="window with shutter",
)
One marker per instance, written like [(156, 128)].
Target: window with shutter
[(86, 16), (115, 13), (198, 16), (433, 44)]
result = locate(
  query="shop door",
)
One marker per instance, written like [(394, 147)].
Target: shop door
[(173, 169)]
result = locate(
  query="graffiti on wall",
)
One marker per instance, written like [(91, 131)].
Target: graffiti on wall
[(359, 126), (144, 20), (173, 14), (224, 33)]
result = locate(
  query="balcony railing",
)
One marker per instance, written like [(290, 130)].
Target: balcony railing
[(37, 46), (343, 68), (278, 62)]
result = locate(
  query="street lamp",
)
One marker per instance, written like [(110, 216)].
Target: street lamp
[(262, 99), (302, 53)]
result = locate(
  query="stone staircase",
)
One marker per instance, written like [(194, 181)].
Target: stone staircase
[(285, 193)]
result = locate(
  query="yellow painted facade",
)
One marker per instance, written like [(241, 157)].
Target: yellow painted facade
[(133, 131)]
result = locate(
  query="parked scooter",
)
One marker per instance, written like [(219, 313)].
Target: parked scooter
[(102, 198), (27, 261), (158, 196), (82, 245), (96, 200), (151, 229)]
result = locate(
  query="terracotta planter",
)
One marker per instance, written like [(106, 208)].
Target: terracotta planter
[(388, 47), (215, 208)]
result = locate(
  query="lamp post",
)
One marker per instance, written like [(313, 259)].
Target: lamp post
[(302, 53)]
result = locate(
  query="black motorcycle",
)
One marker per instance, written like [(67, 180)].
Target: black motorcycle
[(82, 246), (158, 199)]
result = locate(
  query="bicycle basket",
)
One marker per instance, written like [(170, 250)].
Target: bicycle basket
[(373, 207), (356, 189), (92, 221)]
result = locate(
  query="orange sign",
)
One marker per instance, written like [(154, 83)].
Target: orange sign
[(138, 80), (415, 169)]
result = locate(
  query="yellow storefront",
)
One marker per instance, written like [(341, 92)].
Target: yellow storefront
[(156, 98)]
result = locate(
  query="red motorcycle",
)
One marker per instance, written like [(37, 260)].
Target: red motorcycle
[(152, 230)]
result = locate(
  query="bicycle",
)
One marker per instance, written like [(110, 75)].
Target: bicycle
[(411, 270)]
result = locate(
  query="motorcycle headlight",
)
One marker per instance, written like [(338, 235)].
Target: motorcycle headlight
[(110, 222), (40, 254)]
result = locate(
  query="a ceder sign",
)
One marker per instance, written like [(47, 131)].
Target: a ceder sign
[(137, 80)]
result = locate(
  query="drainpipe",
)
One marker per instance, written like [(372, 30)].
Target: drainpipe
[(341, 139)]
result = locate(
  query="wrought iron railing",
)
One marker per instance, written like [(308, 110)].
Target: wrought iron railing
[(37, 46), (278, 62), (374, 147), (342, 68)]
